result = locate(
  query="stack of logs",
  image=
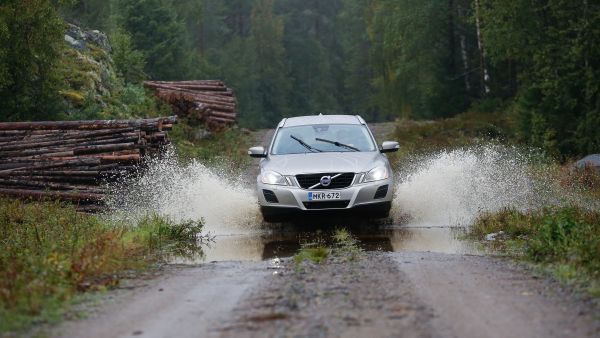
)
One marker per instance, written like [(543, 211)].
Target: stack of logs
[(72, 160), (208, 102)]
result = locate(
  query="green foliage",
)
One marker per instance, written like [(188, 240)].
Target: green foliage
[(554, 47), (158, 32), (382, 59), (314, 56), (226, 148), (31, 42), (414, 55), (49, 253), (342, 247), (272, 86), (565, 240), (462, 130), (358, 93), (316, 255), (128, 61), (346, 246), (93, 14)]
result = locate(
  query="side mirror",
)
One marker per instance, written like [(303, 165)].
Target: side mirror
[(257, 152), (389, 146)]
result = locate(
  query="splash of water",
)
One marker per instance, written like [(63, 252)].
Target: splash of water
[(183, 192), (454, 187)]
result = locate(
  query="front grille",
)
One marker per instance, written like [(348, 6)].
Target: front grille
[(326, 205), (308, 180), (270, 196), (381, 192)]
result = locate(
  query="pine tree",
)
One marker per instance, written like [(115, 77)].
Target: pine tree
[(555, 48), (160, 35), (31, 42), (272, 84)]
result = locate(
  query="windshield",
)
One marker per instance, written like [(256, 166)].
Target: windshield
[(322, 138)]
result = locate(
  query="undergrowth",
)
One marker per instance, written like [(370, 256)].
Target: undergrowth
[(564, 241), (49, 253), (462, 130), (229, 147)]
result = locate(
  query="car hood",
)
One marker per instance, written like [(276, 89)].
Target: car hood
[(294, 164)]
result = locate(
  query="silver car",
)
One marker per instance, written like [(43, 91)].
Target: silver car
[(324, 163)]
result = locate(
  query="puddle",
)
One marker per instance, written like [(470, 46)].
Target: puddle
[(285, 242)]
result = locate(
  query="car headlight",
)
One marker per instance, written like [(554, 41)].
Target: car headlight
[(376, 174), (271, 177)]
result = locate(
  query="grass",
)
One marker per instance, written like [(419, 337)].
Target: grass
[(316, 255), (342, 247), (346, 246), (49, 254), (461, 130), (228, 147), (562, 240)]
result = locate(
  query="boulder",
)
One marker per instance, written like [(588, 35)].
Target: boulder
[(592, 161), (78, 38), (74, 43)]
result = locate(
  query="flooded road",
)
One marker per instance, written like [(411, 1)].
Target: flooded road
[(416, 278), (287, 240)]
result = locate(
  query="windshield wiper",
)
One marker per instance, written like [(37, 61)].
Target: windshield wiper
[(305, 145), (338, 144)]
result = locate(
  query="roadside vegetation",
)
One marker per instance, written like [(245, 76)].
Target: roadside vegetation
[(424, 137), (561, 240), (50, 254), (227, 148), (564, 241), (462, 130)]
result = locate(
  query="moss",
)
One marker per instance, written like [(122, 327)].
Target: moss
[(74, 97)]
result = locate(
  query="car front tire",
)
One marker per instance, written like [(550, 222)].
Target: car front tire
[(272, 215)]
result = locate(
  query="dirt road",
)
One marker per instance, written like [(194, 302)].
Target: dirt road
[(411, 282), (406, 294)]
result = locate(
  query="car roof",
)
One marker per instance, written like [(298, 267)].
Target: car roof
[(321, 119)]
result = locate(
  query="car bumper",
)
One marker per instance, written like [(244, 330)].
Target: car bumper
[(357, 197)]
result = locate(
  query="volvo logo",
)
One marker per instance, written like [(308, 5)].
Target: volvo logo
[(325, 181)]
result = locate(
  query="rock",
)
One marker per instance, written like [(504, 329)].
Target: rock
[(592, 161), (74, 43), (493, 235), (99, 39), (89, 63), (201, 134), (78, 38)]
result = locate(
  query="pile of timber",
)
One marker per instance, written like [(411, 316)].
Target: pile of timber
[(207, 102), (73, 160)]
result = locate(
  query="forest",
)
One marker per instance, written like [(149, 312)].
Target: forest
[(537, 62)]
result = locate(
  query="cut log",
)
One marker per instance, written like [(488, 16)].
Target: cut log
[(86, 125), (62, 195)]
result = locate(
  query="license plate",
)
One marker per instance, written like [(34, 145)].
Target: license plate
[(323, 196)]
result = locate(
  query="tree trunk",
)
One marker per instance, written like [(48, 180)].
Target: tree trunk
[(484, 75), (463, 52)]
